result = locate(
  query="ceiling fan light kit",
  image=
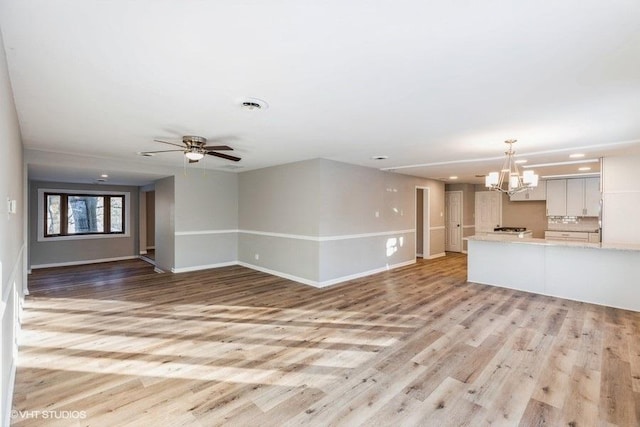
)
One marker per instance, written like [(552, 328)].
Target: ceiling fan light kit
[(510, 173), (194, 155)]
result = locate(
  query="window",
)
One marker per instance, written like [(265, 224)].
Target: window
[(71, 214)]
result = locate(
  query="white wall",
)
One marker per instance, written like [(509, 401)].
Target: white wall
[(621, 200), (12, 239)]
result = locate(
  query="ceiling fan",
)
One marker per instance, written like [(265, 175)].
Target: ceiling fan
[(195, 148)]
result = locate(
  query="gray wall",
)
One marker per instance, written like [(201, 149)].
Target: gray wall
[(165, 224), (12, 235), (206, 219), (69, 251), (282, 200), (324, 221)]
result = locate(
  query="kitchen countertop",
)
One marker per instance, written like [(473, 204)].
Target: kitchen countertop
[(535, 241)]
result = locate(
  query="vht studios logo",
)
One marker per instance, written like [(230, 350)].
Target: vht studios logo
[(54, 415)]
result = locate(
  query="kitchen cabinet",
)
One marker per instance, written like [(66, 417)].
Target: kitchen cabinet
[(536, 193), (573, 197), (592, 197), (577, 236), (583, 197), (557, 197)]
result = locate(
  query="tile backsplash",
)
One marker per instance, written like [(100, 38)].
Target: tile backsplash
[(573, 223)]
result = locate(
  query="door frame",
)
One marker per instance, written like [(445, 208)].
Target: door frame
[(426, 221), (461, 216)]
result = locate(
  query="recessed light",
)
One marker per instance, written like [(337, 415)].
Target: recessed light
[(379, 157), (521, 161), (453, 177), (104, 175), (584, 168), (576, 155)]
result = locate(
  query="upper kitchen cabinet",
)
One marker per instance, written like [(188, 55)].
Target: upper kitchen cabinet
[(573, 197), (536, 193), (557, 197)]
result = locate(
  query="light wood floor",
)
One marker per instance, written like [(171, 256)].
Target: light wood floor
[(124, 346)]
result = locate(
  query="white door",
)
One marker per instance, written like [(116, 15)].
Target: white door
[(488, 211), (453, 221)]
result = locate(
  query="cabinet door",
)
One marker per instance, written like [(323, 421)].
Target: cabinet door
[(536, 193), (540, 192), (557, 197), (592, 196), (575, 197), (519, 197)]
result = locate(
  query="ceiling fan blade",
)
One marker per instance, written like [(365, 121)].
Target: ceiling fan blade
[(193, 161), (170, 143), (223, 138), (217, 147), (161, 151), (224, 156)]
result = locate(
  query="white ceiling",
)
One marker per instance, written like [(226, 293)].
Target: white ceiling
[(440, 84)]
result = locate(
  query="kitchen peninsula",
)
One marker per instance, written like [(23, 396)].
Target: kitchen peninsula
[(605, 274)]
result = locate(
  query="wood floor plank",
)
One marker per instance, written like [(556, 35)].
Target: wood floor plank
[(539, 414), (418, 345)]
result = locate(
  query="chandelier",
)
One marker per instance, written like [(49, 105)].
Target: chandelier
[(516, 182)]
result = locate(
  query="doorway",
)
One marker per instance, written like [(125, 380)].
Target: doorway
[(147, 225), (422, 223), (453, 221)]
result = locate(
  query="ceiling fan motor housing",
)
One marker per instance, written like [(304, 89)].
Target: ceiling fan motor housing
[(191, 140)]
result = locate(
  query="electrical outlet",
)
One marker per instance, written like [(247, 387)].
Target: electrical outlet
[(11, 206), (257, 256)]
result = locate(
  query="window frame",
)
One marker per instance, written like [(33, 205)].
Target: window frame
[(44, 236)]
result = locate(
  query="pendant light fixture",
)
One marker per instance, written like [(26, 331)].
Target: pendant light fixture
[(515, 182)]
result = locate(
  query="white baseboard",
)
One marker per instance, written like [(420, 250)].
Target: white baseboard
[(419, 255), (279, 274), (203, 267), (464, 252), (88, 261), (151, 247), (325, 283), (143, 252), (364, 273), (434, 256)]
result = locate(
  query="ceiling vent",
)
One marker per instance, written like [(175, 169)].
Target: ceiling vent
[(253, 104)]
